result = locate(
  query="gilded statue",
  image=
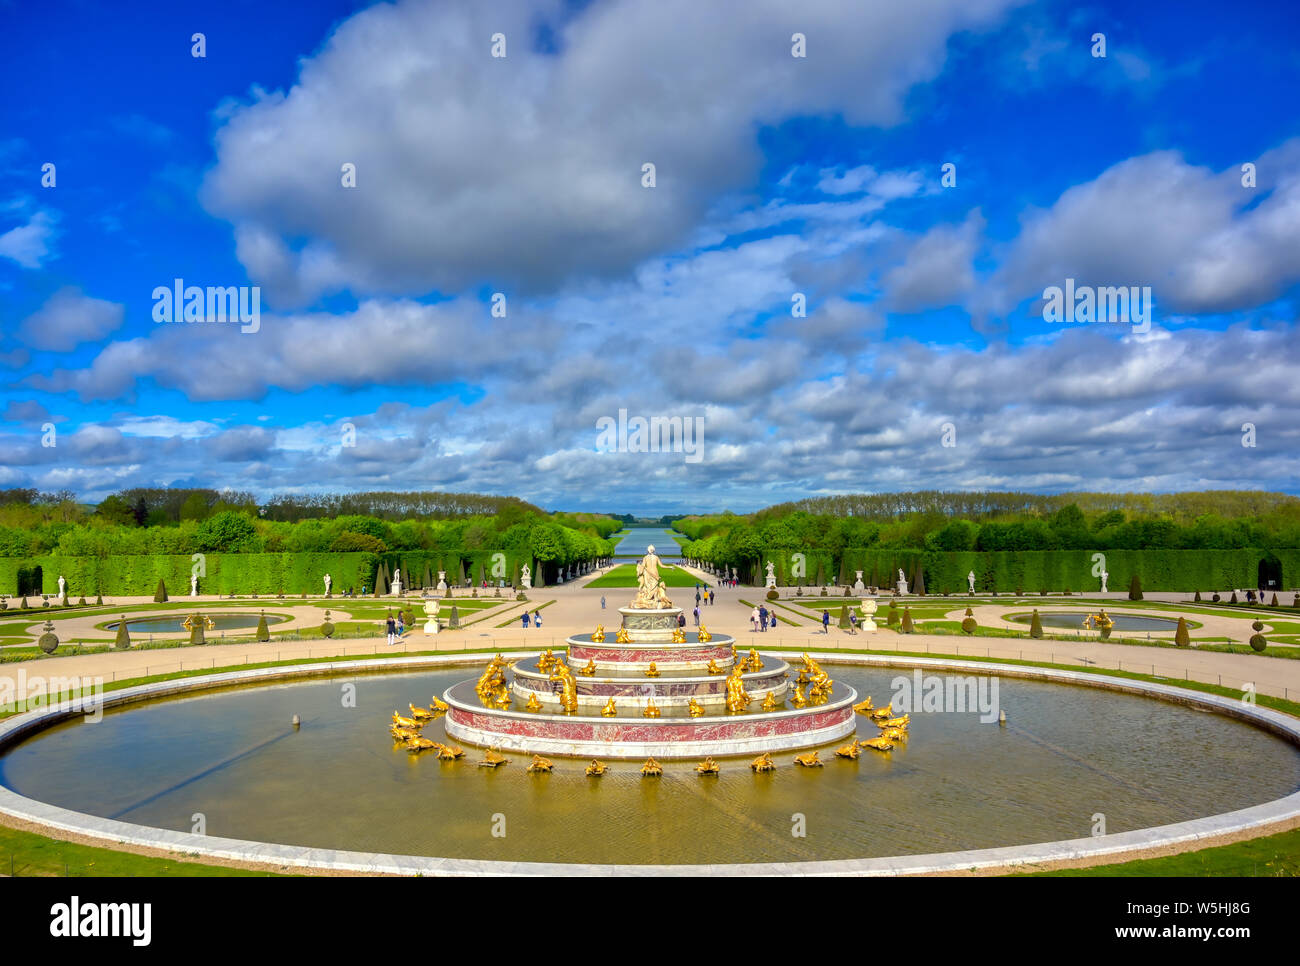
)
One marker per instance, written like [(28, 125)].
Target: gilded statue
[(596, 768), (568, 687), (707, 767), (533, 704), (652, 768), (704, 635), (809, 760), (650, 710), (609, 710), (493, 759), (589, 668), (652, 671), (714, 669), (679, 636), (737, 696), (623, 637), (694, 708), (763, 763), (539, 764), (599, 636), (770, 703), (848, 751)]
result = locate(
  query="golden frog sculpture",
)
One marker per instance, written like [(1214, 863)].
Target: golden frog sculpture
[(492, 679), (420, 714), (900, 722), (877, 744), (694, 708), (439, 705), (502, 699), (652, 768), (650, 710), (588, 669), (880, 714), (609, 710), (403, 722), (704, 635), (863, 707), (598, 636), (707, 767), (623, 637), (755, 663), (809, 760), (533, 704), (540, 764), (763, 763), (652, 671), (546, 661), (403, 735), (737, 697), (450, 752), (568, 687), (848, 751), (896, 735), (679, 636), (596, 769), (714, 669), (770, 703), (420, 744), (493, 759), (797, 699)]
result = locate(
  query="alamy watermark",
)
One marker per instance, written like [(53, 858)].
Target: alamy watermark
[(931, 693), (216, 303), (30, 692), (656, 434), (1109, 303)]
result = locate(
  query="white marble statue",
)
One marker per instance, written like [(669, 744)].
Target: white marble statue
[(970, 581), (431, 612), (526, 577), (650, 593), (442, 580), (1104, 576), (396, 589), (771, 575), (328, 583), (194, 585), (858, 585), (902, 582), (63, 590)]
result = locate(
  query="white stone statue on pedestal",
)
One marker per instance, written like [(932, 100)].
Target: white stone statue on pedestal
[(650, 593), (431, 612), (868, 611), (858, 585), (328, 583), (396, 589), (526, 577), (442, 580), (1104, 576), (63, 590), (970, 581), (194, 585), (902, 582), (771, 575)]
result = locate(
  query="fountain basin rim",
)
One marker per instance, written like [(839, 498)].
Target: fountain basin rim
[(1256, 818), (665, 677)]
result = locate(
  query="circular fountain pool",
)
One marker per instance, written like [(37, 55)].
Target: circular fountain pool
[(175, 623), (1066, 754), (1123, 622)]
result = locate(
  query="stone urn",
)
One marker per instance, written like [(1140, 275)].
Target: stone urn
[(431, 613), (868, 612)]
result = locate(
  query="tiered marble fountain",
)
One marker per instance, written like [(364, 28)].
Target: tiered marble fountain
[(653, 691)]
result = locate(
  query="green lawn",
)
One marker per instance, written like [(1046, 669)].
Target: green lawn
[(1276, 855), (27, 854), (624, 575)]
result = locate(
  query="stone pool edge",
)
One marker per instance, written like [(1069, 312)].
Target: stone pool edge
[(303, 857)]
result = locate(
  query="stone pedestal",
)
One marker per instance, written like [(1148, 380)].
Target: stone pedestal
[(868, 612), (431, 612)]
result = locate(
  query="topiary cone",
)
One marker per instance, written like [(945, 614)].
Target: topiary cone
[(844, 616), (123, 640), (1181, 636), (908, 626), (1036, 627), (160, 593), (1135, 588), (891, 618), (1197, 598), (263, 632)]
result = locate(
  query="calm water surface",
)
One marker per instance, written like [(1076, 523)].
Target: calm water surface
[(339, 782)]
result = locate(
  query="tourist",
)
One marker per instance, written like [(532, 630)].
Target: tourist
[(753, 620), (773, 620), (762, 617), (392, 630), (826, 622), (853, 622), (712, 594), (401, 625), (681, 620), (537, 619), (602, 601), (697, 615), (525, 617)]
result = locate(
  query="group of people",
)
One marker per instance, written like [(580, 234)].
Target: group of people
[(760, 619), (703, 593), (396, 628), (536, 618)]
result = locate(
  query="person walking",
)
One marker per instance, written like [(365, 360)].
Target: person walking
[(753, 620), (762, 616), (525, 617), (392, 630), (773, 620), (602, 601), (537, 619), (826, 622), (697, 615), (401, 624)]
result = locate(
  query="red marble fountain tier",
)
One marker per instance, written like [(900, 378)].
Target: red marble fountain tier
[(588, 736), (666, 656)]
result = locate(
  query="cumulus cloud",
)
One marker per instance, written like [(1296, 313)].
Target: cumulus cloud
[(526, 170), (69, 318), (30, 245)]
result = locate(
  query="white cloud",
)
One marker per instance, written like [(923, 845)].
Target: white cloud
[(69, 318), (30, 245)]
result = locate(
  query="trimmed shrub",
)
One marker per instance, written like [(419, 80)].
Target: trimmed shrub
[(123, 639), (1257, 625), (263, 632), (1273, 602), (327, 629), (454, 622), (824, 594), (772, 594), (1258, 642), (81, 602), (48, 641), (908, 626), (1215, 598), (1036, 627), (160, 593), (1181, 637), (1197, 598), (1135, 588), (968, 625), (969, 612), (891, 618), (99, 600), (23, 605), (1233, 599)]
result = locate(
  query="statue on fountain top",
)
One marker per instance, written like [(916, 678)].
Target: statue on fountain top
[(650, 593)]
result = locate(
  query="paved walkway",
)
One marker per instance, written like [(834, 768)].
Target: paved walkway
[(574, 608)]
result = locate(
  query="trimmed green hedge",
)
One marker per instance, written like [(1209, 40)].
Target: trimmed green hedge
[(1051, 570)]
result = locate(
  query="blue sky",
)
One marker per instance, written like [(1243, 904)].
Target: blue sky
[(775, 175)]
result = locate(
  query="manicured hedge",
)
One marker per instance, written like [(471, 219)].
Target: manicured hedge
[(1052, 570)]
